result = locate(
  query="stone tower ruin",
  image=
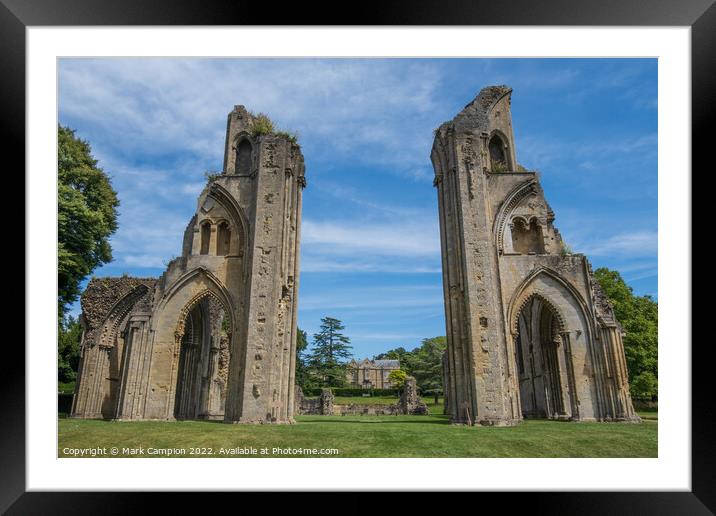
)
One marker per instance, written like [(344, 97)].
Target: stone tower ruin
[(214, 336), (529, 331)]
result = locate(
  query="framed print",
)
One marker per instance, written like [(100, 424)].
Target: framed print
[(432, 250)]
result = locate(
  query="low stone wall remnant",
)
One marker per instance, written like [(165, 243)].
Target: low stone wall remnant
[(409, 404)]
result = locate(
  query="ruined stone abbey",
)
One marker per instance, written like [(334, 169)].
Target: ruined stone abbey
[(530, 334), (214, 336)]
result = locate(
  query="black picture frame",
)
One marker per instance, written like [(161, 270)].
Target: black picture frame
[(17, 15)]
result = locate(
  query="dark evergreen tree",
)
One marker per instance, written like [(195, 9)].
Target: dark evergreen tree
[(331, 351), (303, 378)]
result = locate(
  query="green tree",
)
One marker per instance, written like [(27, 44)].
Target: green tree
[(69, 335), (427, 366), (397, 378), (424, 363), (303, 378), (639, 316), (393, 354), (87, 215), (331, 351)]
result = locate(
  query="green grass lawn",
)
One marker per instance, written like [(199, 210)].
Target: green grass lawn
[(372, 436), (648, 414)]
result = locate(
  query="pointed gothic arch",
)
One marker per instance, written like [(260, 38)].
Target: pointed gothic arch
[(199, 380), (102, 357), (498, 152), (184, 301), (566, 389), (244, 154)]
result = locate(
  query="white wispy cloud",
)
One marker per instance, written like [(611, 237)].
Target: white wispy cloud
[(541, 151), (634, 244), (403, 239), (157, 124), (367, 108), (376, 297)]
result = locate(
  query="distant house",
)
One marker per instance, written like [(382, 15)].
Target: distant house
[(371, 374)]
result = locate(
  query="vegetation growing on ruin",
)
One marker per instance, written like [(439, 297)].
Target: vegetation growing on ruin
[(263, 125), (566, 250), (211, 176), (291, 135), (499, 166)]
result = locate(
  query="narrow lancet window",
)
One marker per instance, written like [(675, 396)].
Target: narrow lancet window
[(498, 160), (205, 238), (243, 158), (223, 236)]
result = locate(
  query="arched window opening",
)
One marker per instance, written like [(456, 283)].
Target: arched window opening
[(527, 237), (205, 237), (243, 158), (498, 159), (223, 235), (542, 393)]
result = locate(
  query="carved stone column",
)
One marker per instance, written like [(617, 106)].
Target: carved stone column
[(574, 397)]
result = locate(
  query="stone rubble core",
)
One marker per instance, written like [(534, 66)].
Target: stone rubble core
[(214, 336), (529, 331)]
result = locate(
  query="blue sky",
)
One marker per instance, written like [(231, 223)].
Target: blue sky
[(370, 248)]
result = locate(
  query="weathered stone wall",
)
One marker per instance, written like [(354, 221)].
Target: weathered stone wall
[(476, 341), (359, 409), (108, 306), (321, 406), (410, 402)]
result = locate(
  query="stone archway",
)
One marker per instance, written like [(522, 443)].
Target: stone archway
[(202, 336), (191, 315), (540, 361), (547, 314)]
